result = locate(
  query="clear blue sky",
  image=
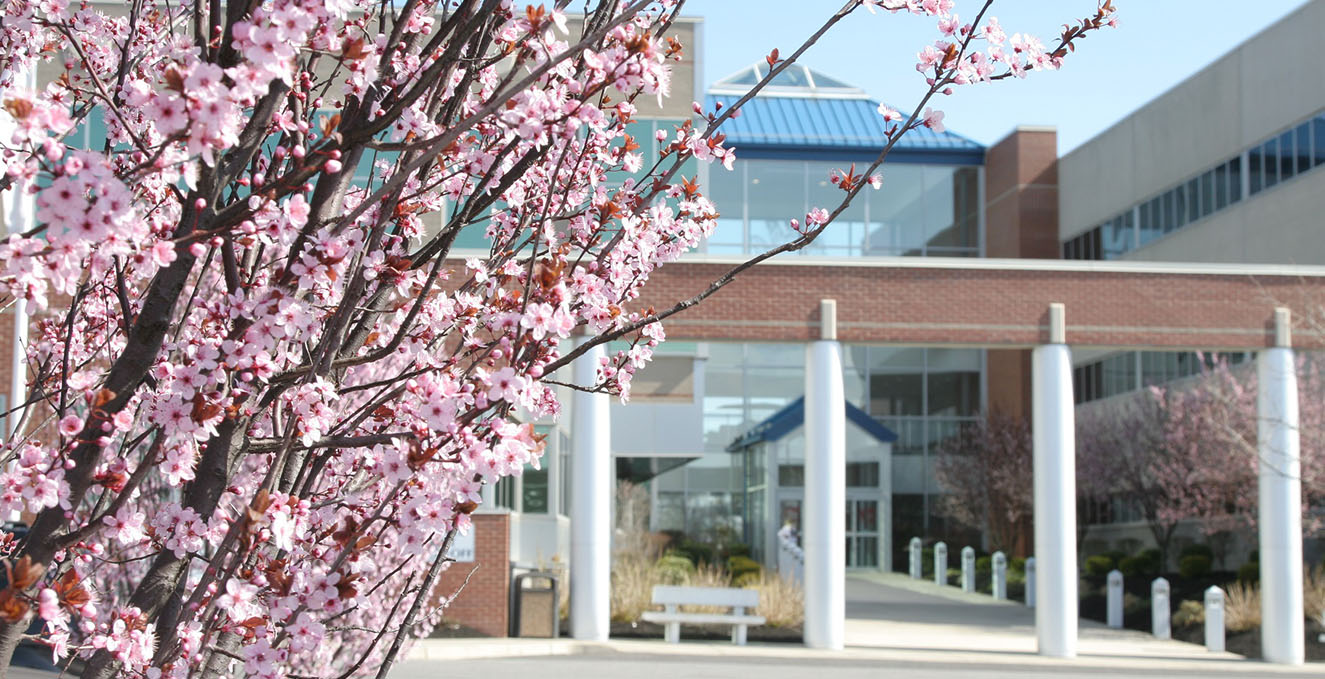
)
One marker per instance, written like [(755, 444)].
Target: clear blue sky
[(1158, 44)]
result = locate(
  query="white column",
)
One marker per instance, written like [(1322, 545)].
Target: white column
[(591, 505), (824, 537), (1054, 451), (1280, 487), (19, 217)]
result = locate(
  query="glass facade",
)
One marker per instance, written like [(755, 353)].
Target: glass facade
[(920, 209), (923, 395), (1131, 370)]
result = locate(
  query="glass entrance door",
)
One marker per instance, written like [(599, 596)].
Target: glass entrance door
[(862, 525), (862, 533)]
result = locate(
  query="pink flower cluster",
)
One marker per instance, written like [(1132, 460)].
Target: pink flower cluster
[(266, 381)]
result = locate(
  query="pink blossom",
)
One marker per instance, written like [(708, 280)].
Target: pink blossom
[(933, 119), (70, 425)]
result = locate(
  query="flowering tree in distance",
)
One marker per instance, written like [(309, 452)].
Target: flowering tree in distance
[(264, 398), (1120, 442), (983, 471), (1210, 463)]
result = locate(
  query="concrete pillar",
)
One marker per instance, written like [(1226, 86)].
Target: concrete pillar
[(591, 505), (1054, 452), (825, 488), (941, 563), (916, 552), (1280, 501)]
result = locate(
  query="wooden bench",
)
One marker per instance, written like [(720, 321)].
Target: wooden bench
[(672, 597)]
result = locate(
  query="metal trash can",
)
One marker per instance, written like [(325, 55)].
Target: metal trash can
[(534, 610)]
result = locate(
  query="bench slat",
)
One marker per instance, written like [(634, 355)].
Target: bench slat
[(703, 618), (705, 596)]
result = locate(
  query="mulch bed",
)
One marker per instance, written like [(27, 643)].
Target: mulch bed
[(1248, 642), (649, 630)]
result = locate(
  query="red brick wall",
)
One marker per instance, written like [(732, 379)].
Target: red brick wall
[(482, 605), (930, 303), (1021, 220), (1021, 195)]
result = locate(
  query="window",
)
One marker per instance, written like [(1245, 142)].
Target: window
[(1318, 139), (1255, 177), (1303, 147), (1287, 156), (726, 190), (775, 193), (1270, 162), (862, 475), (1221, 187), (1235, 180), (533, 491)]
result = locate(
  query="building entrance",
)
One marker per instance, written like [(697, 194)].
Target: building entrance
[(862, 523)]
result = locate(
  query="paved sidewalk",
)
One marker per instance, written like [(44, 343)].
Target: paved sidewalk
[(896, 625)]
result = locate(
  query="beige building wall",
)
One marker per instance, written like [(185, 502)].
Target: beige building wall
[(1267, 85)]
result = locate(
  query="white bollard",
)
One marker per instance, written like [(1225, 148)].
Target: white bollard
[(1000, 576), (1214, 619), (1115, 612), (968, 569), (1030, 582), (1160, 620), (941, 563), (917, 553)]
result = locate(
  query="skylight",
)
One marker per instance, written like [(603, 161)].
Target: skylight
[(794, 81)]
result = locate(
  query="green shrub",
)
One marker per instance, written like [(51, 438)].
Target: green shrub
[(1100, 564), (743, 569), (738, 549), (1115, 555), (1249, 572), (674, 568), (984, 565), (1196, 550), (1017, 565), (1146, 562), (697, 552), (1194, 566)]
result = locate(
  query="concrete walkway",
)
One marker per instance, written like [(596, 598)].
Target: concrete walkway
[(896, 625), (890, 610)]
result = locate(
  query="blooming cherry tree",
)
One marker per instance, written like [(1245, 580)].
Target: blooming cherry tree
[(264, 393)]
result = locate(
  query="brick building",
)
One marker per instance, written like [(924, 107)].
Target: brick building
[(942, 283)]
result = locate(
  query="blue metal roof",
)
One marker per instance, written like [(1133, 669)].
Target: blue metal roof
[(792, 416), (822, 128)]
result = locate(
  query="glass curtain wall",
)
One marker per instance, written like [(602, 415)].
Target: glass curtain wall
[(924, 395), (920, 210)]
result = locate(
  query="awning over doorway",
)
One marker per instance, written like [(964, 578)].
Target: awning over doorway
[(785, 421)]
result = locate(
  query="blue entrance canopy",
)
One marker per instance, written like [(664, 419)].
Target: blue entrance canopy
[(792, 416)]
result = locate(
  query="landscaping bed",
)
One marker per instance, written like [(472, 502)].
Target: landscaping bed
[(649, 630), (1248, 642)]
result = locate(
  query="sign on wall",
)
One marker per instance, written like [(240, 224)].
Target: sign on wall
[(462, 547)]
